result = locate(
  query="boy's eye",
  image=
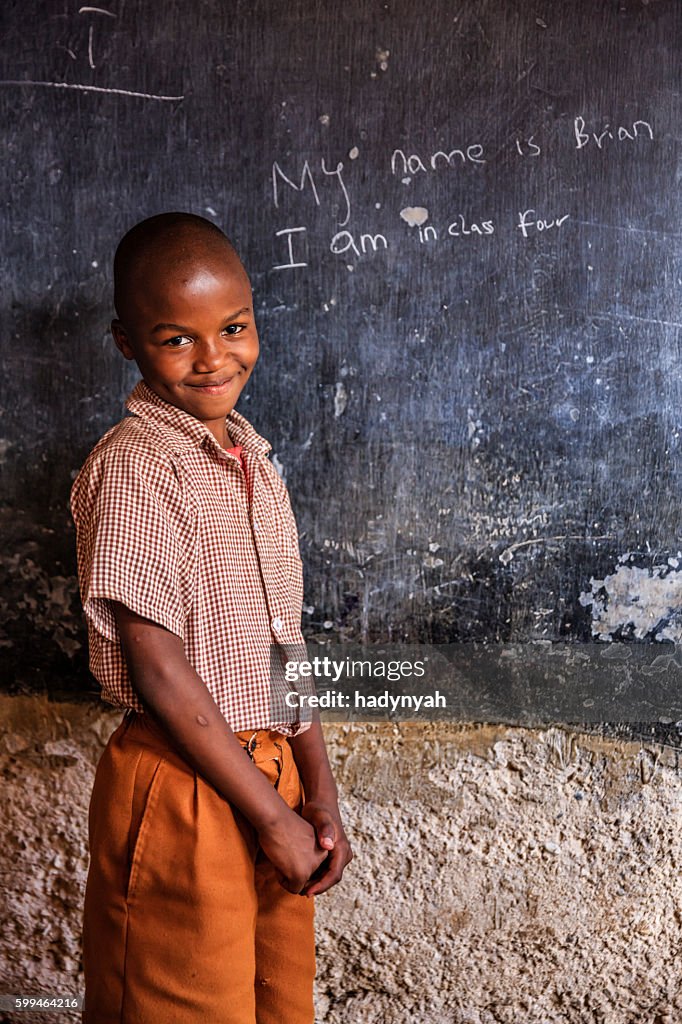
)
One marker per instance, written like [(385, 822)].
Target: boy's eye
[(182, 340)]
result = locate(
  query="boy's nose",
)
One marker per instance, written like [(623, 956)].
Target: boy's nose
[(208, 356)]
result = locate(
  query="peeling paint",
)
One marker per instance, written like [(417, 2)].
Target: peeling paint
[(278, 465), (637, 603), (49, 603)]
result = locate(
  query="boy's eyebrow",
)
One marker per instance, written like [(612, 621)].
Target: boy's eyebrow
[(179, 327)]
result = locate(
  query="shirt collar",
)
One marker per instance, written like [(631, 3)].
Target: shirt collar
[(185, 431)]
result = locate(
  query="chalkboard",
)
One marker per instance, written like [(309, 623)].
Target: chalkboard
[(461, 223)]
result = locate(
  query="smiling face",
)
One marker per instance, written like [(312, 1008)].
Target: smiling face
[(189, 325)]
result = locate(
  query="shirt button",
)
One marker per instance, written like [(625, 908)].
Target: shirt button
[(277, 624), (256, 526)]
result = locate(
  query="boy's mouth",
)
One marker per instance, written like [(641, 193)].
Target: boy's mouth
[(214, 387)]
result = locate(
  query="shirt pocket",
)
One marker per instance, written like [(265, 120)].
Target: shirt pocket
[(149, 774)]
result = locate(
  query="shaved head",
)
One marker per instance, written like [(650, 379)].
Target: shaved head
[(167, 243)]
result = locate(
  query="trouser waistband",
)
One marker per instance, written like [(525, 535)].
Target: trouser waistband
[(250, 739)]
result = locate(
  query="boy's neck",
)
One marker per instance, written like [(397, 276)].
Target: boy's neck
[(219, 431)]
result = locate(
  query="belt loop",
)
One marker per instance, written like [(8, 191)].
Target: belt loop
[(251, 746), (280, 762)]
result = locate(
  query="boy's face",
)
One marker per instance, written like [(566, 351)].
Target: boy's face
[(191, 330)]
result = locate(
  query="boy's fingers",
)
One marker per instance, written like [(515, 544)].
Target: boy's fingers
[(335, 865), (326, 836), (325, 830)]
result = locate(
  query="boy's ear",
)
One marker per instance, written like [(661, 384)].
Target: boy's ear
[(120, 336)]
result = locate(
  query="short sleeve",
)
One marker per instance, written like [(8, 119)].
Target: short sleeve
[(128, 550)]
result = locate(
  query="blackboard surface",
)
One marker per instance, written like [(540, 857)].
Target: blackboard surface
[(462, 227)]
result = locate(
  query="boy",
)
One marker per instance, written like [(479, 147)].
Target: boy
[(213, 818)]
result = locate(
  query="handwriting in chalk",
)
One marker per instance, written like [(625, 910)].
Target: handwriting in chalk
[(409, 166), (292, 262), (528, 147), (93, 10), (528, 222), (616, 133), (30, 83), (307, 180), (344, 241), (404, 166)]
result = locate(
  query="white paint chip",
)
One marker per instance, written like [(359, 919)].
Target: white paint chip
[(382, 58), (638, 602), (278, 465), (415, 216), (340, 398)]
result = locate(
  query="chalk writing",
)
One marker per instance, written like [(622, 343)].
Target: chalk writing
[(463, 228), (532, 148), (413, 164), (91, 30), (278, 173), (460, 228), (583, 138), (427, 233), (288, 232), (529, 222), (307, 179), (344, 240), (89, 88), (31, 83)]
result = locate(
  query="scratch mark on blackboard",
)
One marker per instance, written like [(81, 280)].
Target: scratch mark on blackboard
[(91, 88), (508, 553), (638, 319), (618, 227), (95, 10)]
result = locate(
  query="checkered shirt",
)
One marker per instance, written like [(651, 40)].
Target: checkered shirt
[(169, 524)]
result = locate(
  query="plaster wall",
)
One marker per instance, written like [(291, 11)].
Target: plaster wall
[(501, 875)]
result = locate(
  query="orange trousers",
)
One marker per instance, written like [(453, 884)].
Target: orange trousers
[(184, 920)]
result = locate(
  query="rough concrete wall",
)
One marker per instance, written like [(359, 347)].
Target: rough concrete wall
[(501, 875)]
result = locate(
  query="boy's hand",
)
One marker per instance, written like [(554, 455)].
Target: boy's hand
[(290, 845), (326, 820)]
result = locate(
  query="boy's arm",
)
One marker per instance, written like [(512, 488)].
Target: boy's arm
[(321, 807), (179, 700)]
